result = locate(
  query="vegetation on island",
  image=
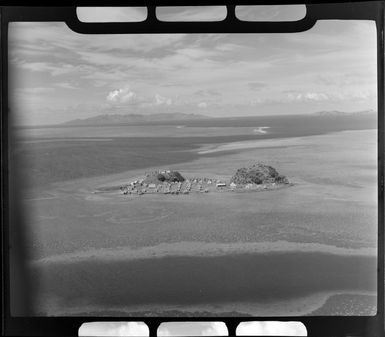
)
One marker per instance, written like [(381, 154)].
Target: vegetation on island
[(168, 176), (258, 174)]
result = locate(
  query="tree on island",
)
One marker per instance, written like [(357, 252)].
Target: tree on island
[(163, 176), (172, 176), (258, 174)]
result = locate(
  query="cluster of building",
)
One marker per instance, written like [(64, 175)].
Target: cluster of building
[(202, 185), (258, 177)]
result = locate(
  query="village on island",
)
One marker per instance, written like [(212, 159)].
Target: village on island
[(258, 177)]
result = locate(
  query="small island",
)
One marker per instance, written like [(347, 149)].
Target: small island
[(258, 177)]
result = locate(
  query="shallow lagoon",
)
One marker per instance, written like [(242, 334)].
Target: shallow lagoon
[(193, 284), (328, 219)]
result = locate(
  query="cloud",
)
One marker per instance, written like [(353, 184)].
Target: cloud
[(202, 105), (196, 53), (271, 329), (341, 80), (145, 102), (227, 47), (289, 96), (56, 35), (34, 66), (331, 66), (307, 96), (65, 85), (363, 95), (53, 68), (160, 100), (207, 93), (257, 85), (34, 91), (114, 329), (124, 95)]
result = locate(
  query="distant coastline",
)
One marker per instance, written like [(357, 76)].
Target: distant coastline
[(176, 118)]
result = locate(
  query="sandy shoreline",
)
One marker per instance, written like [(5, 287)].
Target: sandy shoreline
[(273, 142), (202, 249), (305, 306)]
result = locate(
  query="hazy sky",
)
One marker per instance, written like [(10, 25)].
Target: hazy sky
[(58, 75)]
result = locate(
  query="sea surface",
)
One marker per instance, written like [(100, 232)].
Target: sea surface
[(303, 250), (51, 154)]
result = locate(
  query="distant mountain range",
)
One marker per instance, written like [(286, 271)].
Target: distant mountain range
[(174, 117), (106, 119), (342, 113)]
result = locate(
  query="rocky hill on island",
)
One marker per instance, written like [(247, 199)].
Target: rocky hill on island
[(258, 174), (158, 177)]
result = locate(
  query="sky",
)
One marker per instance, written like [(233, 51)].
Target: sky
[(269, 328), (57, 75)]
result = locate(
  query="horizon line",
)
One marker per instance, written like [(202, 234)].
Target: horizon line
[(203, 117)]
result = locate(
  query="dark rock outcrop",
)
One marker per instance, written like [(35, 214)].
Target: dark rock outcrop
[(163, 176), (258, 174)]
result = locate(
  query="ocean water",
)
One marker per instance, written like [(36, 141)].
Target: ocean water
[(197, 283), (52, 154), (193, 255)]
